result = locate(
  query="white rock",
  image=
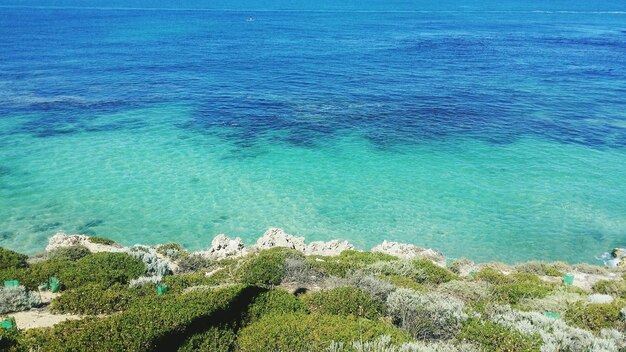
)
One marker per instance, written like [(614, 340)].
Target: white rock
[(64, 240), (408, 251), (275, 237), (330, 248), (600, 298), (223, 246)]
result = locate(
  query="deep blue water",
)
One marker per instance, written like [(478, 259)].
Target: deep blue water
[(490, 130)]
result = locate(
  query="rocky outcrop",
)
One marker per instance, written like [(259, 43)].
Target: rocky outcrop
[(275, 237), (64, 240), (223, 246), (330, 248), (619, 258), (408, 251)]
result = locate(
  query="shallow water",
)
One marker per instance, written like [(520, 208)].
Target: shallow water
[(490, 134)]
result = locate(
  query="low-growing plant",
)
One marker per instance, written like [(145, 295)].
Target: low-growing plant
[(104, 269), (456, 266), (470, 292), (11, 341), (596, 316), (314, 332), (101, 240), (193, 263), (267, 268), (11, 259), (555, 333), (615, 288), (145, 280), (514, 292), (347, 262), (498, 338), (492, 276), (274, 302), (150, 325), (404, 282), (344, 301), (93, 299), (555, 302), (15, 299), (155, 266), (590, 269), (298, 270), (178, 283), (370, 284), (428, 272), (427, 316), (72, 253), (37, 273), (170, 249), (214, 339), (541, 268)]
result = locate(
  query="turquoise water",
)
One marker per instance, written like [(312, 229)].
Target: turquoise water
[(494, 136)]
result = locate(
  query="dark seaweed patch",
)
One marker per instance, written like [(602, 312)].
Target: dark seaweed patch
[(46, 226)]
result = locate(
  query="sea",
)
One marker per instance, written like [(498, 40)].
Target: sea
[(492, 130)]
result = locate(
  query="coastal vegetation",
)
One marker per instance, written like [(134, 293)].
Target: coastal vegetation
[(165, 298)]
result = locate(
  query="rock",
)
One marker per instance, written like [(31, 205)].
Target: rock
[(330, 248), (61, 239), (223, 246), (619, 253), (64, 240), (409, 251), (275, 237), (600, 298)]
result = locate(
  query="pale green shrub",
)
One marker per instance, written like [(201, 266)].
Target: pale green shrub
[(590, 269), (556, 302), (384, 344), (541, 268), (373, 286), (467, 291), (555, 333), (427, 316), (15, 299), (155, 266)]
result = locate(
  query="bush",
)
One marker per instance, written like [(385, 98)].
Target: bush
[(215, 339), (15, 299), (541, 268), (555, 302), (498, 338), (555, 333), (595, 316), (101, 240), (429, 273), (104, 269), (267, 268), (150, 325), (426, 316), (155, 266), (94, 299), (192, 263), (11, 341), (347, 262), (178, 283), (299, 332), (170, 249), (344, 301), (513, 293), (470, 292), (492, 276), (298, 270), (611, 287), (404, 282), (371, 285), (72, 253), (11, 259), (37, 273), (274, 302)]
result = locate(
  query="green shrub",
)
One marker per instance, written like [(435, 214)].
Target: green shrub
[(347, 262), (192, 263), (169, 248), (101, 240), (178, 283), (430, 273), (11, 341), (541, 268), (274, 302), (16, 299), (150, 325), (267, 268), (403, 282), (492, 276), (470, 292), (94, 299), (215, 339), (611, 287), (104, 269), (72, 253), (344, 301), (299, 332), (513, 293), (498, 338), (596, 316), (36, 273), (11, 259)]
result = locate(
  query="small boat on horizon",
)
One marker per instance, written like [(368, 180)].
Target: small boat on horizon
[(250, 19)]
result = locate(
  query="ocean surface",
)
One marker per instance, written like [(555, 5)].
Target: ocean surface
[(488, 130)]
